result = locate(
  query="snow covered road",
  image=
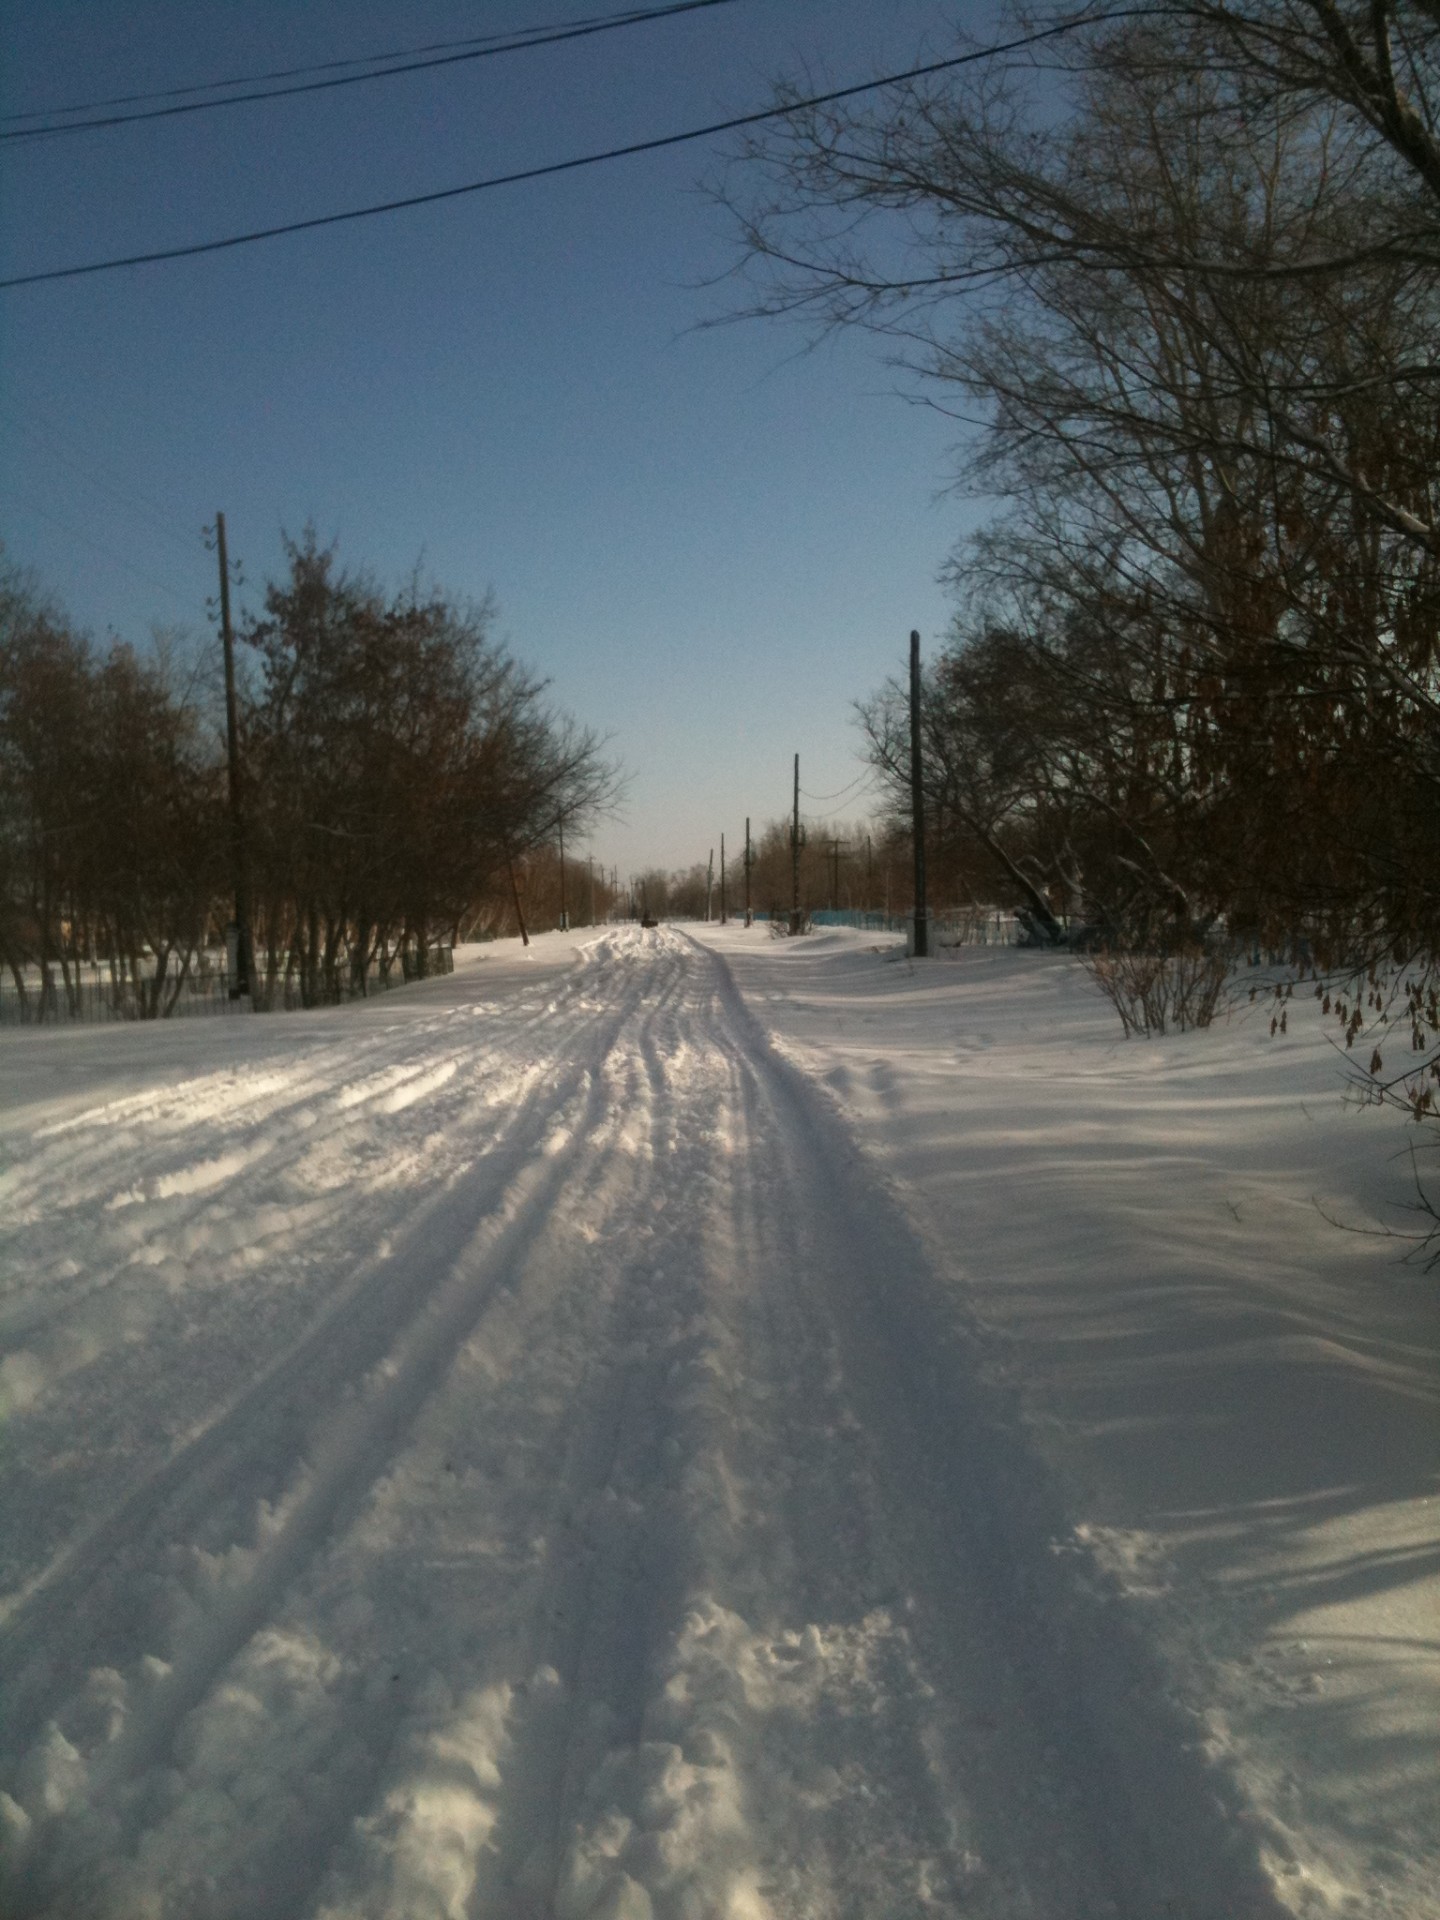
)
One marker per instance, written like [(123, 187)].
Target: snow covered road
[(506, 1454)]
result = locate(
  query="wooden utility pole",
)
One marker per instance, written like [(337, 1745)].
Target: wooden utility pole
[(241, 968), (723, 915), (795, 855), (749, 862), (709, 884), (564, 916), (515, 896), (834, 871), (917, 805)]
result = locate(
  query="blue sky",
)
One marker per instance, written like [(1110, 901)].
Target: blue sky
[(712, 540)]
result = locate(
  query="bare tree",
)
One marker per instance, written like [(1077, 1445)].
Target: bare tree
[(1191, 298)]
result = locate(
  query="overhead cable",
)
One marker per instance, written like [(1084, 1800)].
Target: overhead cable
[(124, 493), (845, 806), (28, 504), (554, 167), (321, 66), (839, 792), (542, 38)]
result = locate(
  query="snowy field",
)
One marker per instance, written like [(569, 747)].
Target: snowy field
[(685, 1426)]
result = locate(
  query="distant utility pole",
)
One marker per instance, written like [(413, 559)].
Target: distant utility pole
[(590, 888), (722, 880), (709, 884), (917, 805), (564, 916), (795, 855), (515, 896), (749, 862), (239, 966), (834, 871)]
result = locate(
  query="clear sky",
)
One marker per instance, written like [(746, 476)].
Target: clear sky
[(711, 540)]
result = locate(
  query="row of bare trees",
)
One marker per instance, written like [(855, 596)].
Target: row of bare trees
[(111, 812), (399, 763), (397, 769), (1179, 265), (851, 866)]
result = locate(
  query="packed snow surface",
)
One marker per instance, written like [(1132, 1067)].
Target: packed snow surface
[(674, 1426)]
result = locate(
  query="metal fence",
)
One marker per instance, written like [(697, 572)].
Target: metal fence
[(949, 926), (974, 927), (89, 992)]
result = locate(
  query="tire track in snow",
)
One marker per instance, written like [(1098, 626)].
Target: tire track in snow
[(427, 1751), (575, 1682), (631, 1777), (257, 1443), (563, 1703), (777, 1757), (129, 1279), (466, 1815), (263, 1110)]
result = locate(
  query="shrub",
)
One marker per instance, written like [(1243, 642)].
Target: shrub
[(1153, 992)]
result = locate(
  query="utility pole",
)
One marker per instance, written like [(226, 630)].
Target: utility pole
[(749, 862), (723, 915), (795, 855), (239, 966), (564, 916), (515, 896), (834, 871), (917, 805), (590, 888)]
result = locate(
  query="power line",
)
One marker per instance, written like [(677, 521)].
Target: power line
[(839, 791), (123, 493), (296, 73), (567, 166), (545, 37), (29, 505), (844, 807)]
